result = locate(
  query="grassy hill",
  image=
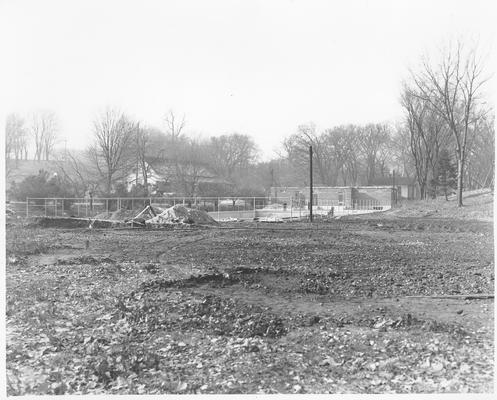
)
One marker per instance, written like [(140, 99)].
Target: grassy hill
[(478, 205)]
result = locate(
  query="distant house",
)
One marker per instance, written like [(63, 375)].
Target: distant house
[(136, 177), (166, 181)]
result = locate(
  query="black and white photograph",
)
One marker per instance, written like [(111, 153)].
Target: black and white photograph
[(235, 197)]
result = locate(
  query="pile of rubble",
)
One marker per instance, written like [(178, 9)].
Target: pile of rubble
[(179, 214), (9, 212), (118, 215)]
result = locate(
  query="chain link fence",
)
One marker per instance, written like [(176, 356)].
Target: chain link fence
[(220, 208)]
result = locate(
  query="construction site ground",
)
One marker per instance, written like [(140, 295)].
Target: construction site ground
[(371, 305)]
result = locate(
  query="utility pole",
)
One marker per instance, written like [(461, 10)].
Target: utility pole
[(310, 187), (137, 155)]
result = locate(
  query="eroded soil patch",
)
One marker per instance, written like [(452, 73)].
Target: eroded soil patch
[(256, 299)]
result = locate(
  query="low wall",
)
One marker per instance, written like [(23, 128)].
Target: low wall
[(290, 213)]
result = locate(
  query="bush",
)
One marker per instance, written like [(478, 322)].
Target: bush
[(41, 185)]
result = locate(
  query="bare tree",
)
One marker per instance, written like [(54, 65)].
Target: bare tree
[(111, 153), (16, 138), (174, 125), (343, 151), (427, 135), (340, 142), (231, 154), (150, 152), (352, 159), (371, 139), (453, 89), (11, 128), (481, 155), (44, 132), (190, 166), (297, 150), (402, 158), (75, 170)]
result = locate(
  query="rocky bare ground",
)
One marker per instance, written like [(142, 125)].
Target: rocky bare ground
[(252, 308)]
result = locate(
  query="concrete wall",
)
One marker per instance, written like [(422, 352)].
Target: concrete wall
[(328, 196), (380, 194), (331, 195), (324, 194)]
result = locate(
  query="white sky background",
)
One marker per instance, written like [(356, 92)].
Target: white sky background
[(255, 67)]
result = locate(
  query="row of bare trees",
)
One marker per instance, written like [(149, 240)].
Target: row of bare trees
[(445, 111), (447, 126), (124, 150), (39, 133), (344, 155)]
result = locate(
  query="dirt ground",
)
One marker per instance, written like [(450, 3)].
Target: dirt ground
[(375, 305)]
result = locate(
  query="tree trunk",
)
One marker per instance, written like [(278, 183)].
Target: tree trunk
[(460, 176), (109, 183), (145, 180)]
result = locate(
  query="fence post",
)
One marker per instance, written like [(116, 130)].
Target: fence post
[(218, 204), (45, 201), (27, 207), (55, 207)]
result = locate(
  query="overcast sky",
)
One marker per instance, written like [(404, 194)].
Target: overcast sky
[(255, 67)]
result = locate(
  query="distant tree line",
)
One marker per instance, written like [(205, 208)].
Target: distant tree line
[(444, 142), (39, 132), (125, 150)]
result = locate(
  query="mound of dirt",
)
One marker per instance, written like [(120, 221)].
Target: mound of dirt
[(179, 214), (125, 214)]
